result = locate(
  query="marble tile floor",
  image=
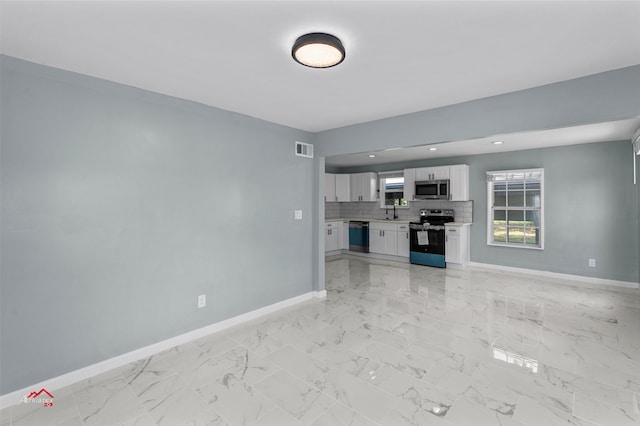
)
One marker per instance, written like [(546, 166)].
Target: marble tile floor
[(392, 344)]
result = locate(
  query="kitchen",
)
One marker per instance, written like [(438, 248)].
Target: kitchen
[(373, 213)]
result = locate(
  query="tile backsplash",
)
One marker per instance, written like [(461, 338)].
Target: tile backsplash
[(463, 210)]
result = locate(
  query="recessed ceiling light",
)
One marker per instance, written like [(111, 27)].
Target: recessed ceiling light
[(372, 156), (433, 149), (497, 142), (318, 50)]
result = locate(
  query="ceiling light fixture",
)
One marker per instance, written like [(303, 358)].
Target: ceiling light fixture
[(318, 50), (497, 142), (372, 156), (433, 149)]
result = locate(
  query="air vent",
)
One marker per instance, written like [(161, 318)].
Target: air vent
[(304, 149)]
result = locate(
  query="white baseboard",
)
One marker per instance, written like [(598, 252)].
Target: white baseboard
[(52, 384), (576, 278)]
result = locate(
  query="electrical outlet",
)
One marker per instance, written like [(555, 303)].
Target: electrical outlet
[(298, 214), (202, 301), (592, 263)]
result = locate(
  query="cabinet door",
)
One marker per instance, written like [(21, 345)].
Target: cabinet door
[(441, 172), (343, 187), (331, 236), (403, 240), (370, 186), (356, 186), (422, 174), (390, 242), (329, 187), (452, 245), (410, 184), (344, 236), (376, 241), (459, 182)]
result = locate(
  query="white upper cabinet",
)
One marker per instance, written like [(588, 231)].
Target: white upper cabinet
[(459, 182), (410, 184), (364, 186), (432, 173), (329, 187), (343, 187)]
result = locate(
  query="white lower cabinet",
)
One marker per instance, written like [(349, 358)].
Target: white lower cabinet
[(344, 235), (389, 238), (456, 245), (403, 240), (332, 232)]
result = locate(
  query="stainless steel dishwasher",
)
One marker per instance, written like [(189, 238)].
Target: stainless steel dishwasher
[(359, 236)]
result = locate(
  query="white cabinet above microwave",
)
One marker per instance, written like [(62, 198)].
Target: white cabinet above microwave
[(432, 173)]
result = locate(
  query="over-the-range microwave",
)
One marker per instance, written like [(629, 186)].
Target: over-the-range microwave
[(432, 190)]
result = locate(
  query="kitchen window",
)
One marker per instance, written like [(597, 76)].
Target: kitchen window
[(515, 200), (392, 190)]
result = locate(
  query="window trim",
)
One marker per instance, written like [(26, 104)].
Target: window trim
[(382, 176), (490, 200)]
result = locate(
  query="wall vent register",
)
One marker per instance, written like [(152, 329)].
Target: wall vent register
[(304, 149)]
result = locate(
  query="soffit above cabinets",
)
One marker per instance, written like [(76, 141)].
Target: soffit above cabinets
[(590, 133)]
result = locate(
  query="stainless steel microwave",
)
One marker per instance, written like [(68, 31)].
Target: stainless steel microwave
[(433, 190)]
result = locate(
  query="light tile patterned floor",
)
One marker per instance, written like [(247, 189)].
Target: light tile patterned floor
[(392, 344)]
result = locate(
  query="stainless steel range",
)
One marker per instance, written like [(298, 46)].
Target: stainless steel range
[(427, 239)]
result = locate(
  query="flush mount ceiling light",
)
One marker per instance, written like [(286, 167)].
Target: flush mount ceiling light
[(433, 149), (497, 142), (372, 156), (318, 50)]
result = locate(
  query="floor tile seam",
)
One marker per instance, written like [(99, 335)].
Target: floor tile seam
[(582, 391), (623, 410), (323, 391), (209, 406), (304, 382), (206, 402), (127, 385)]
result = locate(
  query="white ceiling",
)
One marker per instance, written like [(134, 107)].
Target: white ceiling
[(401, 56), (589, 133)]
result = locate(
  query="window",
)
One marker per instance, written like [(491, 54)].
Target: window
[(392, 186), (515, 201)]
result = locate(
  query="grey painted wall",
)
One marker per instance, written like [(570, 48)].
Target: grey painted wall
[(591, 208), (612, 95), (120, 207)]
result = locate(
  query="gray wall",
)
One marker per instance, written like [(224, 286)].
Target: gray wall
[(120, 207), (612, 95), (591, 208)]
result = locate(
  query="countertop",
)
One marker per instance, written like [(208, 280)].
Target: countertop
[(366, 219), (400, 221)]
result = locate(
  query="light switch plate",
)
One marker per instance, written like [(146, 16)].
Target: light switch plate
[(202, 301), (298, 214)]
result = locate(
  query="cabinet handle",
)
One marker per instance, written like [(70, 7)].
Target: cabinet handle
[(407, 235)]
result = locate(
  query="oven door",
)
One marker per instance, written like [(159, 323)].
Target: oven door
[(433, 243)]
